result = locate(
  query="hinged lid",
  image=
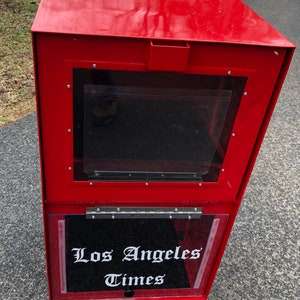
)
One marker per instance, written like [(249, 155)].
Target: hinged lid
[(229, 21)]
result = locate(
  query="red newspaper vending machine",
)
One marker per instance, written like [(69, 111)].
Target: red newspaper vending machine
[(151, 115)]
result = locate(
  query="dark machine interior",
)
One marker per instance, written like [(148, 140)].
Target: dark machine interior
[(158, 126)]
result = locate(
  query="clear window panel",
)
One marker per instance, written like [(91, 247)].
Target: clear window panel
[(133, 257), (152, 125)]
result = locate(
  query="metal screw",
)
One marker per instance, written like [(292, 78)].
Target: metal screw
[(94, 66), (68, 86)]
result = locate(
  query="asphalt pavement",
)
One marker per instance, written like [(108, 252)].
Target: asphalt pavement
[(262, 257)]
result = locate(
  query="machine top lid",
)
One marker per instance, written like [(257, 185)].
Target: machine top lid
[(229, 21)]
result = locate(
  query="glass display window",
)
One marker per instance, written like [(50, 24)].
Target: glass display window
[(131, 256), (154, 126)]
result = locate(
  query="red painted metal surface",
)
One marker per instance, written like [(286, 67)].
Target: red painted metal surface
[(219, 38), (260, 66), (228, 21)]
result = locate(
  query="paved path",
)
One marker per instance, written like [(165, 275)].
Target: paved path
[(262, 257)]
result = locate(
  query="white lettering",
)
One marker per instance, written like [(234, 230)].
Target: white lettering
[(135, 281), (146, 254), (169, 254), (185, 254), (159, 279), (111, 280), (114, 280), (134, 253), (107, 256), (158, 256), (131, 253), (95, 256), (149, 280), (79, 254), (176, 255), (196, 253), (124, 280)]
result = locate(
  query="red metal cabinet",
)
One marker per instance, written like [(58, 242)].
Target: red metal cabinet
[(151, 115)]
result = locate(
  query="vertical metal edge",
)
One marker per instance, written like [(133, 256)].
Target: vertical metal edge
[(206, 254), (62, 257)]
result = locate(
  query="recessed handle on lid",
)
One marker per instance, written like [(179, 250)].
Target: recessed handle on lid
[(168, 55)]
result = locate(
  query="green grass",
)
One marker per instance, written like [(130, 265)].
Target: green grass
[(16, 67)]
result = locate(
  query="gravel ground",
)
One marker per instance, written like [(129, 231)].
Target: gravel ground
[(262, 257)]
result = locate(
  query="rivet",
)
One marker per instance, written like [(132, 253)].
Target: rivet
[(69, 130), (176, 209), (189, 217), (93, 217), (170, 217), (91, 183), (70, 168), (94, 66), (223, 170), (68, 86), (229, 72), (146, 184), (113, 216), (245, 94), (276, 53), (200, 184), (233, 134)]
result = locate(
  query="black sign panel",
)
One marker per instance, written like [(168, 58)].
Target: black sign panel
[(120, 254)]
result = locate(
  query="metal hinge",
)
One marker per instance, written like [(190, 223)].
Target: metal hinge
[(113, 212)]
